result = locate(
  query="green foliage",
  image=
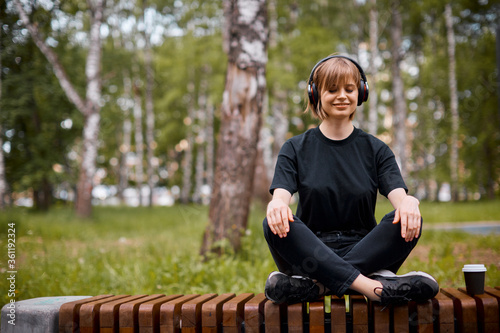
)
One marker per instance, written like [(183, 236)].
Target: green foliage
[(33, 109), (141, 250)]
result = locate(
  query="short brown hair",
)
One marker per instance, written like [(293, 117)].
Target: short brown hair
[(332, 72)]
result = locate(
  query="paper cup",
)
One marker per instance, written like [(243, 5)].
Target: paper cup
[(474, 278)]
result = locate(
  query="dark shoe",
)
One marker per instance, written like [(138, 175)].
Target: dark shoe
[(281, 288), (399, 289)]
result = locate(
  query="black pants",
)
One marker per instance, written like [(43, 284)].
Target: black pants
[(336, 259)]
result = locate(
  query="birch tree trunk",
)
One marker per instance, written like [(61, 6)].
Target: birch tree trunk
[(126, 140), (150, 116), (210, 146), (373, 102), (187, 162), (200, 141), (452, 82), (89, 106), (399, 103), (3, 183), (139, 142), (241, 118)]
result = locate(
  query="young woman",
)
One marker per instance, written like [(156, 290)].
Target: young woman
[(333, 244)]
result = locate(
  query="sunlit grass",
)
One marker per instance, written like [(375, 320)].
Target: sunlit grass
[(145, 251)]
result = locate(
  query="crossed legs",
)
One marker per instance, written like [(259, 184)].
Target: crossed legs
[(301, 252)]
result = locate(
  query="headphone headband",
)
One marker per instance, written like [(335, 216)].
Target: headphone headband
[(363, 89)]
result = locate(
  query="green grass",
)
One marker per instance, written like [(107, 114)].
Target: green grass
[(439, 212), (145, 251)]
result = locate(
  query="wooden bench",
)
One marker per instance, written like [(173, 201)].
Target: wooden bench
[(452, 310)]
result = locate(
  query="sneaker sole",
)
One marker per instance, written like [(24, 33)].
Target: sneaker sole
[(389, 274)]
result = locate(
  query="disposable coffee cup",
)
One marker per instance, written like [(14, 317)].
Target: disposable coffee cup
[(474, 278)]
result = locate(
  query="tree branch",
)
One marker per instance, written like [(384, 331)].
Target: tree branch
[(51, 56)]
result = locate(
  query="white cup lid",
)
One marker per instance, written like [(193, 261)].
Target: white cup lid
[(474, 268)]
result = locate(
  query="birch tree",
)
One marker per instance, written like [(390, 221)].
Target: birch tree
[(373, 101), (452, 83), (187, 161), (3, 183), (399, 103), (126, 140), (150, 116), (246, 37), (139, 140), (88, 106)]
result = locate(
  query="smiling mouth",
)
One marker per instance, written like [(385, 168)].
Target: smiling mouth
[(341, 104)]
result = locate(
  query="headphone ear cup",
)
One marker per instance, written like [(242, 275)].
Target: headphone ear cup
[(310, 93), (316, 95), (313, 94), (362, 92)]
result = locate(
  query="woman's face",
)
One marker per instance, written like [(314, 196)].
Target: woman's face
[(340, 100)]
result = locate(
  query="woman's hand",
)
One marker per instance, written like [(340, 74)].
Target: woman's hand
[(279, 213), (407, 212)]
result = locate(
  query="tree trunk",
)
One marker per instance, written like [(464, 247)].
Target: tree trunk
[(399, 103), (452, 82), (498, 59), (88, 165), (150, 116), (373, 101), (139, 142), (241, 118), (200, 141), (210, 146), (3, 183), (187, 162), (89, 107), (126, 141)]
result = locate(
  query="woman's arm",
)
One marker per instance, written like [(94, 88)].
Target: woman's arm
[(407, 212), (279, 213)]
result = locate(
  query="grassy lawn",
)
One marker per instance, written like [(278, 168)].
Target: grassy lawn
[(146, 251)]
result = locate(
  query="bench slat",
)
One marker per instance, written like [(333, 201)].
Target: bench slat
[(254, 313), (381, 318), (211, 313), (274, 315), (425, 316), (317, 317), (359, 313), (465, 309), (170, 314), (233, 313), (443, 309), (338, 315), (296, 318), (191, 313)]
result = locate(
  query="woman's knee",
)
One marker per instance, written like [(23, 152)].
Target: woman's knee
[(266, 228)]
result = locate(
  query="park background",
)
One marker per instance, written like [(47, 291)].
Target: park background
[(119, 163)]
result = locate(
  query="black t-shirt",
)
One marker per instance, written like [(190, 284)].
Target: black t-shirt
[(337, 181)]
